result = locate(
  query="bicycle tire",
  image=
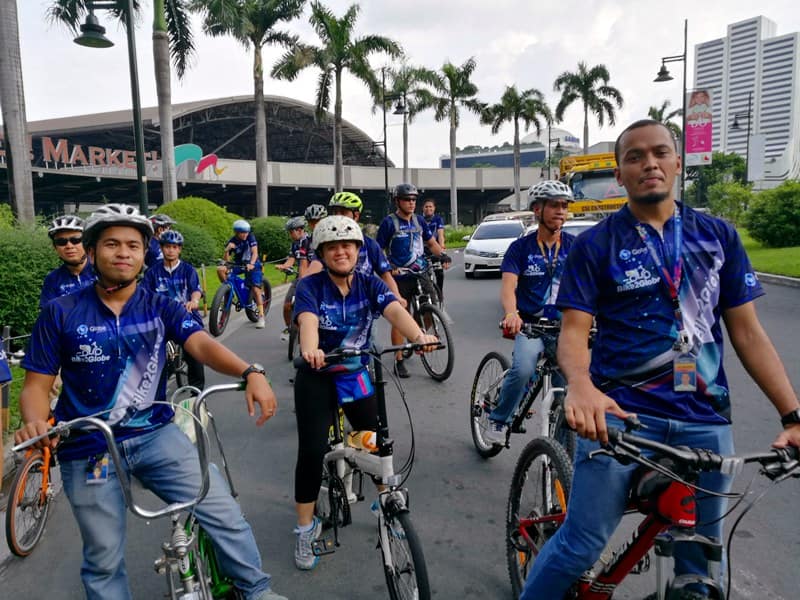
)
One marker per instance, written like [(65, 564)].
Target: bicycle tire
[(483, 399), (28, 507), (294, 341), (177, 364), (560, 431), (266, 297), (220, 310), (439, 363), (407, 577), (542, 460), (332, 507)]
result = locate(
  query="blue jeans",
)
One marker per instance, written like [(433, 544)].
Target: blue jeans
[(523, 368), (165, 462), (598, 499)]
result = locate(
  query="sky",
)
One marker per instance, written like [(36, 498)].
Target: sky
[(512, 41)]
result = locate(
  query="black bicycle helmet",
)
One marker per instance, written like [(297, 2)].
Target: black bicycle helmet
[(404, 190)]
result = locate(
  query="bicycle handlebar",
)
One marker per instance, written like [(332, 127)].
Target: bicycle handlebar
[(64, 428), (340, 354)]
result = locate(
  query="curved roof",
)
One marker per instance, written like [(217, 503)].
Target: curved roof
[(226, 127)]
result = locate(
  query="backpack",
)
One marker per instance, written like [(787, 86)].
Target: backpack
[(416, 230)]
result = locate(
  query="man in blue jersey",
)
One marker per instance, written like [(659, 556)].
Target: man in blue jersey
[(532, 268), (242, 249), (296, 228), (657, 276), (403, 237), (66, 232), (435, 225), (178, 280), (109, 342), (161, 223)]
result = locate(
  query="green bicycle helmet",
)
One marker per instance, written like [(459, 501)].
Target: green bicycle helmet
[(347, 200)]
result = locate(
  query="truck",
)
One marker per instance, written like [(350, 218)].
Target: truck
[(591, 178)]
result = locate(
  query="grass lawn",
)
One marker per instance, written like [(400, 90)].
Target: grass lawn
[(778, 261)]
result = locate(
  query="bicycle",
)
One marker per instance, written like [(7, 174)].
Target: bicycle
[(344, 465), (488, 382), (438, 364), (189, 561), (29, 499), (176, 364), (233, 292), (664, 494), (293, 348)]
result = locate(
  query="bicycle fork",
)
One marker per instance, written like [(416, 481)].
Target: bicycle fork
[(177, 558)]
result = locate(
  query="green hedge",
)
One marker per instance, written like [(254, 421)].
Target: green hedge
[(203, 213), (6, 217), (773, 218), (199, 246), (273, 241)]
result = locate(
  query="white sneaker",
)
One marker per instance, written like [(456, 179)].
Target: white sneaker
[(495, 433), (260, 323), (304, 557), (285, 335)]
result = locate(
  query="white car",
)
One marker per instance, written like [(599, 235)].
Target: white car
[(488, 244), (572, 226)]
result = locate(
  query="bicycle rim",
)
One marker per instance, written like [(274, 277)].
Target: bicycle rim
[(406, 572), (439, 363), (540, 488), (483, 399), (294, 342), (28, 506), (220, 310)]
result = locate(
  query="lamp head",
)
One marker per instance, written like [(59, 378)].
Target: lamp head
[(663, 74), (400, 108), (93, 34)]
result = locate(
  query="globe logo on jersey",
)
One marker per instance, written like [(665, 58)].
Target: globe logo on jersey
[(750, 279), (82, 330), (625, 254)]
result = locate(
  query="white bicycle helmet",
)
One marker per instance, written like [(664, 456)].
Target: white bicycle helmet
[(241, 226), (65, 223), (336, 229), (315, 212), (115, 214), (550, 190)]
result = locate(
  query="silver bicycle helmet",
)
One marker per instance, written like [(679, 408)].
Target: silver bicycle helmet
[(241, 226), (315, 212), (115, 214), (550, 190), (295, 223), (336, 229), (65, 223)]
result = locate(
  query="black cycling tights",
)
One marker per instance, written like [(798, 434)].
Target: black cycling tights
[(315, 402)]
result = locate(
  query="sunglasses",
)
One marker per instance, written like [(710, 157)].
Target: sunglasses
[(408, 199), (68, 240)]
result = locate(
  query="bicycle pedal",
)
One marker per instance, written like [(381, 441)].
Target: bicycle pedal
[(323, 546)]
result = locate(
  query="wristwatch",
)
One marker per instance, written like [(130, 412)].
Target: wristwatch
[(791, 418), (254, 368)]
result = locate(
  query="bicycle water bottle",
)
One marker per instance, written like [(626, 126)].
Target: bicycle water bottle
[(366, 440)]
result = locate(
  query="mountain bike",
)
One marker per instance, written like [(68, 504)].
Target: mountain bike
[(488, 382), (234, 293), (342, 480), (29, 500), (663, 491), (293, 347), (423, 307), (188, 559)]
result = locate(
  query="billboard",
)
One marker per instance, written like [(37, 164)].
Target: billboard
[(699, 128)]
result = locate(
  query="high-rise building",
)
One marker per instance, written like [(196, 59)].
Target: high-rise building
[(752, 66)]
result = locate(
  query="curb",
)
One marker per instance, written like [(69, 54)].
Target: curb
[(778, 279)]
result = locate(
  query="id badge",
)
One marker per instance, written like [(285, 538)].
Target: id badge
[(684, 373), (97, 469)]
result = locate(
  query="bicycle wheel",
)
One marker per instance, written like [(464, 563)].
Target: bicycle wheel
[(177, 364), (439, 363), (403, 559), (483, 399), (294, 341), (560, 430), (540, 488), (28, 506), (332, 506), (251, 310), (220, 310)]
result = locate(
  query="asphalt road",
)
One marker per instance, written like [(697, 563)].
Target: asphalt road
[(457, 498)]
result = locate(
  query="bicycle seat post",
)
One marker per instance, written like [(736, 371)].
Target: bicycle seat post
[(385, 443)]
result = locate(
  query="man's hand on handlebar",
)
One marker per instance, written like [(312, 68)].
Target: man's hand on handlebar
[(511, 324), (445, 260), (259, 391), (431, 342), (790, 436), (35, 429), (586, 408), (315, 358)]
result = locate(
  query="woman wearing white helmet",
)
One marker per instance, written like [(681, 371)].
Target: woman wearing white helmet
[(335, 308)]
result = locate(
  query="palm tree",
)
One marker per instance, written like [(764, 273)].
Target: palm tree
[(662, 116), (252, 23), (451, 90), (12, 103), (591, 87), (513, 106), (172, 35), (339, 52)]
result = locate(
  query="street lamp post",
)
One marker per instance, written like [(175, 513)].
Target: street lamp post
[(550, 141), (93, 36), (736, 127), (400, 109), (663, 75)]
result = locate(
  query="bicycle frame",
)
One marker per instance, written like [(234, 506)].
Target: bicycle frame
[(241, 293)]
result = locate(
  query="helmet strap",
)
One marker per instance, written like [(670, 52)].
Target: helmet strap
[(114, 288), (76, 263)]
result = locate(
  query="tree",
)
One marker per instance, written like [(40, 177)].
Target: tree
[(529, 106), (590, 86), (662, 116), (172, 36), (451, 90), (12, 103), (339, 52), (252, 23), (729, 200), (774, 216), (723, 168)]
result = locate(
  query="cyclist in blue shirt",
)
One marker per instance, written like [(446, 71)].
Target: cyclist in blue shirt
[(161, 223), (657, 276), (403, 237), (435, 225), (242, 249), (109, 342), (335, 308), (532, 269), (76, 272), (296, 228), (313, 214), (178, 280)]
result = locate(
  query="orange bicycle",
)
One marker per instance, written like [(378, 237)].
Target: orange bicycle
[(29, 500)]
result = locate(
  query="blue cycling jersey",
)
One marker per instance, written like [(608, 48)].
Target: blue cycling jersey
[(5, 369), (108, 361), (611, 274), (299, 248), (405, 245), (243, 249), (154, 253), (177, 283), (433, 224), (539, 275), (344, 321), (61, 281)]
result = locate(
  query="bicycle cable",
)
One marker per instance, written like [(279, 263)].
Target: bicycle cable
[(408, 464)]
